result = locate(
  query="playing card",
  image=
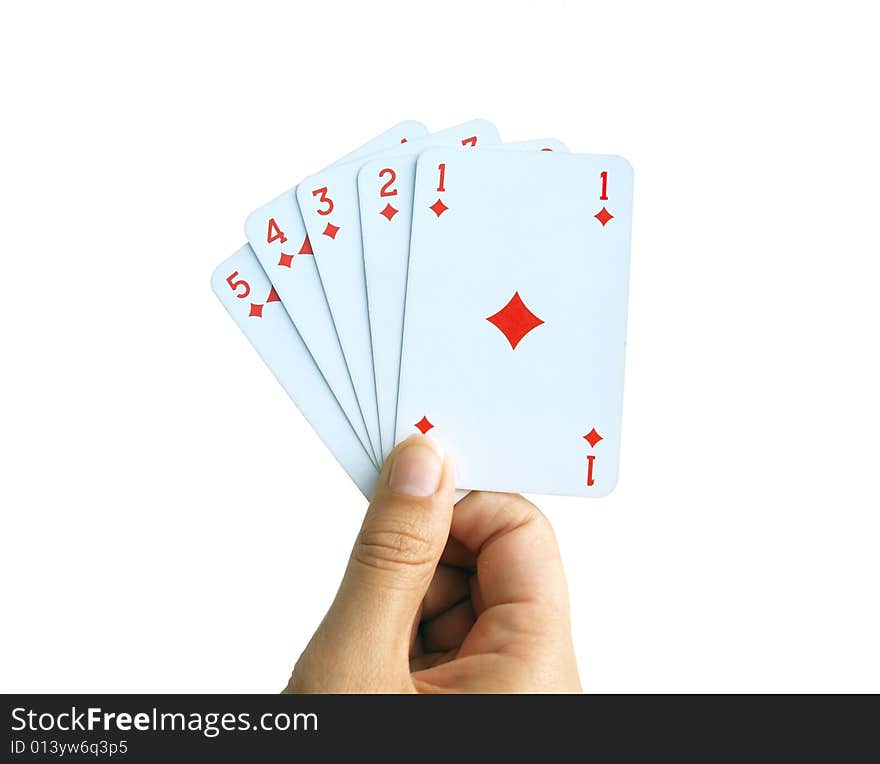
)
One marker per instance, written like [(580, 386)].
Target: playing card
[(245, 291), (278, 236), (514, 331), (535, 144), (329, 205), (385, 196)]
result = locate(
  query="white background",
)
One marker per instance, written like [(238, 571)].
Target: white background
[(170, 523)]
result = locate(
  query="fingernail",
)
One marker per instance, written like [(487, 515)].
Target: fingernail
[(417, 468)]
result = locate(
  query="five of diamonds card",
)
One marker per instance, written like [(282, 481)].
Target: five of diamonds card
[(450, 284)]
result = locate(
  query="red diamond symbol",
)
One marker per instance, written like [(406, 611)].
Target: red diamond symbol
[(515, 320), (285, 260), (273, 296), (603, 216), (592, 437), (256, 310), (331, 230), (306, 248), (423, 425), (389, 212), (438, 207)]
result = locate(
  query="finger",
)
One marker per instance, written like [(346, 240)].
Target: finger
[(517, 558), (458, 555), (448, 587), (448, 630), (429, 660), (477, 602), (395, 555), (415, 639)]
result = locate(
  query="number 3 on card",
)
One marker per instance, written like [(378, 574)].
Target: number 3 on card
[(321, 193)]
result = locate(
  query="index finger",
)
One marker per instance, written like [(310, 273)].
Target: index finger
[(514, 550)]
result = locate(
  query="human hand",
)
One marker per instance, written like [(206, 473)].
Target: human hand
[(435, 600)]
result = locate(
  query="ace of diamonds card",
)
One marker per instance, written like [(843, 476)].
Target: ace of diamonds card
[(515, 321)]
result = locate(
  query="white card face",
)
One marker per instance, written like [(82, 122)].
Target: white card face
[(385, 196), (329, 205), (242, 286), (278, 236), (536, 144), (515, 324)]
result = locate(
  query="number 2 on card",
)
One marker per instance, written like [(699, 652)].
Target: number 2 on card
[(386, 189)]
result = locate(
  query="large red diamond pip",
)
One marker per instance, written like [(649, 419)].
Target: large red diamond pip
[(515, 320)]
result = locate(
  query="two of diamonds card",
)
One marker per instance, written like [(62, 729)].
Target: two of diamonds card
[(450, 284)]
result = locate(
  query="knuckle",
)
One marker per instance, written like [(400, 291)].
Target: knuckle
[(526, 513), (393, 547), (524, 506)]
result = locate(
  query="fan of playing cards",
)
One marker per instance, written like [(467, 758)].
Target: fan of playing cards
[(455, 285)]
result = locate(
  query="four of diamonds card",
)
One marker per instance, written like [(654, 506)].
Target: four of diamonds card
[(449, 284)]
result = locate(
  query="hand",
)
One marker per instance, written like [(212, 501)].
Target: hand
[(435, 600)]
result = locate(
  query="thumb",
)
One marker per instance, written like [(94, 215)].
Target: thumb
[(396, 553)]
